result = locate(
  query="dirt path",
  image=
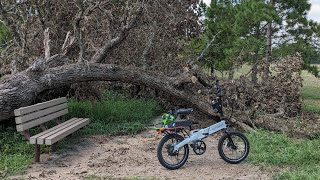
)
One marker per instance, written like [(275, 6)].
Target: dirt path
[(135, 156)]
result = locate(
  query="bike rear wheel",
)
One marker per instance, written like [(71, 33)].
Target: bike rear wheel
[(233, 147), (167, 157)]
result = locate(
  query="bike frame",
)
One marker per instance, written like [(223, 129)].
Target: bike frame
[(201, 134)]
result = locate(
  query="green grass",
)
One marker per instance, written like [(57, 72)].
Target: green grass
[(310, 93), (242, 70), (15, 153), (310, 105), (114, 114), (296, 159)]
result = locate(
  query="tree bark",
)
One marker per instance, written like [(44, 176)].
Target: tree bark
[(268, 48), (22, 88), (268, 52), (254, 73), (46, 43)]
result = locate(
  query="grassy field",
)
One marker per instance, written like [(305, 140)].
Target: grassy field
[(116, 114), (113, 115), (290, 158), (310, 93)]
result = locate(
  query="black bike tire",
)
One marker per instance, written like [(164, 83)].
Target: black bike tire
[(220, 147), (160, 147)]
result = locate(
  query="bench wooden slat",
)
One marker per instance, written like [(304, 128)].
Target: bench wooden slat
[(39, 106), (56, 137), (41, 139), (37, 114), (33, 139), (28, 125)]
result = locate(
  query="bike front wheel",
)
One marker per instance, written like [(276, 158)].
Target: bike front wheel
[(233, 147), (166, 155)]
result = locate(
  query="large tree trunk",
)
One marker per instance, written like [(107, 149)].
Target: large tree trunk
[(268, 48), (254, 73), (21, 89), (268, 52)]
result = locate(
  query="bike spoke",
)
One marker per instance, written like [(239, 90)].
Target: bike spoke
[(234, 150), (169, 156)]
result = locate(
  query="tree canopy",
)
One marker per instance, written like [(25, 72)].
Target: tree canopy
[(249, 30)]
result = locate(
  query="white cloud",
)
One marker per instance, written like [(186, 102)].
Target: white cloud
[(207, 2), (314, 13)]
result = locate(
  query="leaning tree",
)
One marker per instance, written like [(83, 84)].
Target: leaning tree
[(55, 44)]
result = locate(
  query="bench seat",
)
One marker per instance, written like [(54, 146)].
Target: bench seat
[(58, 132), (41, 113)]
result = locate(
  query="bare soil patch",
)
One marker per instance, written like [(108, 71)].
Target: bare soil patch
[(135, 156)]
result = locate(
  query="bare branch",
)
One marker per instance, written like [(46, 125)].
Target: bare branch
[(200, 57), (77, 24), (42, 19), (99, 56), (68, 43), (46, 44), (149, 43), (77, 28)]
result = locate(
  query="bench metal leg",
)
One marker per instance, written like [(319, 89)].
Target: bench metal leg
[(36, 153), (54, 147), (26, 135)]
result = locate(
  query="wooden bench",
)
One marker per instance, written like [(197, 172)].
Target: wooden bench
[(38, 115)]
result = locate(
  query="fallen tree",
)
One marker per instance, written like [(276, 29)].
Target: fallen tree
[(141, 47), (22, 88)]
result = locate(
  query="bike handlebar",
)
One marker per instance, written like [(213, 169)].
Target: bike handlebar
[(217, 104)]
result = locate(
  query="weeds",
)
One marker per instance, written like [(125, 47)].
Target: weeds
[(15, 153), (298, 159), (114, 114)]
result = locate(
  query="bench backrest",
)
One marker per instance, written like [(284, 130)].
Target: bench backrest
[(34, 115)]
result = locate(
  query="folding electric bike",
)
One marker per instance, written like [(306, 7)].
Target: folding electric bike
[(173, 149)]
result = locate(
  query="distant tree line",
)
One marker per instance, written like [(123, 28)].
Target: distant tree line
[(257, 32)]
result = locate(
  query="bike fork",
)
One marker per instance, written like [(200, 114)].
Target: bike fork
[(233, 146)]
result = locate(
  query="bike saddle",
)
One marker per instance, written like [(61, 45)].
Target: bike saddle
[(184, 111)]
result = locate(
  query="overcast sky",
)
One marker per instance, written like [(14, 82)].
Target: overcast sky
[(313, 14)]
